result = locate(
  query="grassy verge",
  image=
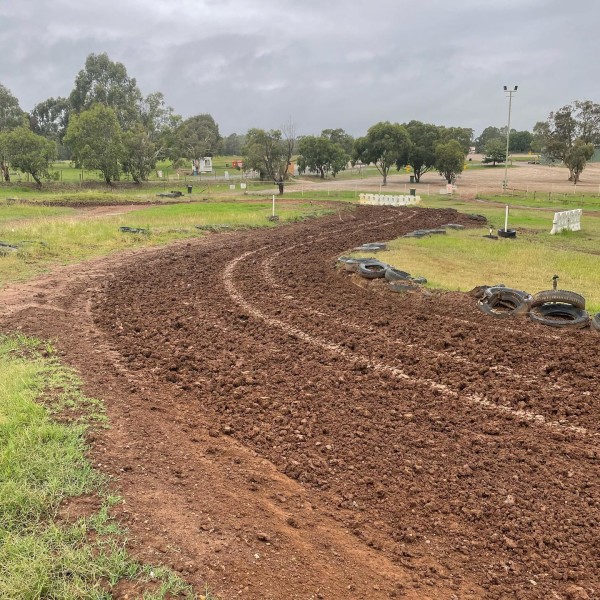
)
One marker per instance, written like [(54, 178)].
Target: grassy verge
[(42, 466), (59, 236), (461, 260)]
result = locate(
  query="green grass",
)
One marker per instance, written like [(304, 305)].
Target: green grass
[(548, 200), (43, 464), (61, 237), (461, 260)]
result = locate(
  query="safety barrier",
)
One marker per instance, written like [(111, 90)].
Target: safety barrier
[(568, 219), (385, 200)]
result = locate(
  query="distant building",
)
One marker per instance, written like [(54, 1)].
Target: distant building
[(205, 165)]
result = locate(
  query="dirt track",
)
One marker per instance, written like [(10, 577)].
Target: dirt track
[(284, 430)]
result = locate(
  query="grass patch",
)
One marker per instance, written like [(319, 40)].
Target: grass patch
[(461, 260), (42, 465), (64, 237)]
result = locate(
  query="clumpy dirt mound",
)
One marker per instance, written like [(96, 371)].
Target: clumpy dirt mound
[(283, 433)]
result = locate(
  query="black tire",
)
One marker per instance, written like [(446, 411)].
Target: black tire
[(560, 315), (562, 296), (372, 269), (419, 280), (352, 264), (402, 287), (595, 322), (392, 274), (507, 233), (493, 289), (374, 246), (505, 303)]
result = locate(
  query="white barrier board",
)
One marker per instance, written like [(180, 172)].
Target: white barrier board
[(385, 200), (568, 219)]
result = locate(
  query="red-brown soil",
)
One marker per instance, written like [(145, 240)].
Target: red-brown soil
[(281, 432)]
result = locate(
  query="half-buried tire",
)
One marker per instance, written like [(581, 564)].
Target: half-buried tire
[(595, 322), (392, 274), (555, 314), (372, 269), (505, 303)]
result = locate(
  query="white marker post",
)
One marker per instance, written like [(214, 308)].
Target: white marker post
[(274, 205), (505, 219)]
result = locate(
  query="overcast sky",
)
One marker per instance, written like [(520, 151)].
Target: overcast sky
[(322, 63)]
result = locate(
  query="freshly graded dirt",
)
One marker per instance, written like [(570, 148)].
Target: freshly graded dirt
[(283, 429)]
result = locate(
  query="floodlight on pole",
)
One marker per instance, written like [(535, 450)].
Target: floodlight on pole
[(510, 95)]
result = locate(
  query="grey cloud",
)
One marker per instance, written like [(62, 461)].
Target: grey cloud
[(324, 64)]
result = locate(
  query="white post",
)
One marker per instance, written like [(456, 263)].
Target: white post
[(506, 219), (274, 205)]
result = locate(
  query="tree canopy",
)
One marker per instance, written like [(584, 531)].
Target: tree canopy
[(421, 156), (270, 153), (195, 137), (28, 152), (563, 129), (495, 151), (11, 115), (449, 159), (385, 145), (321, 155), (94, 137), (103, 81), (577, 156)]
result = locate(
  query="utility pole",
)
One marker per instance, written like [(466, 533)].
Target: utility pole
[(510, 95)]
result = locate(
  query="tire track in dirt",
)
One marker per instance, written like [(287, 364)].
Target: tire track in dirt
[(336, 348)]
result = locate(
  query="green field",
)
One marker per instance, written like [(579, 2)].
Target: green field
[(461, 260)]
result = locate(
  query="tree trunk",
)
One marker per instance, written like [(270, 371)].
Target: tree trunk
[(384, 179), (37, 179), (5, 172), (280, 186), (322, 173)]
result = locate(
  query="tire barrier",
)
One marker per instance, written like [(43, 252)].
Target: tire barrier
[(554, 308), (424, 232)]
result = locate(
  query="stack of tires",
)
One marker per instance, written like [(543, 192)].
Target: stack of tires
[(554, 308)]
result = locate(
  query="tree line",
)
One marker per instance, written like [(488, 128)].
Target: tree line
[(106, 124)]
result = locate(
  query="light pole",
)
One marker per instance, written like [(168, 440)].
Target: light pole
[(510, 95)]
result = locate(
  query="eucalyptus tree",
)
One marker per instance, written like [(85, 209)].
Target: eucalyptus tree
[(28, 152), (95, 139), (270, 153), (385, 145)]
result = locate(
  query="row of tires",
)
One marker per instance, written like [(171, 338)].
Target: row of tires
[(371, 268), (554, 308)]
